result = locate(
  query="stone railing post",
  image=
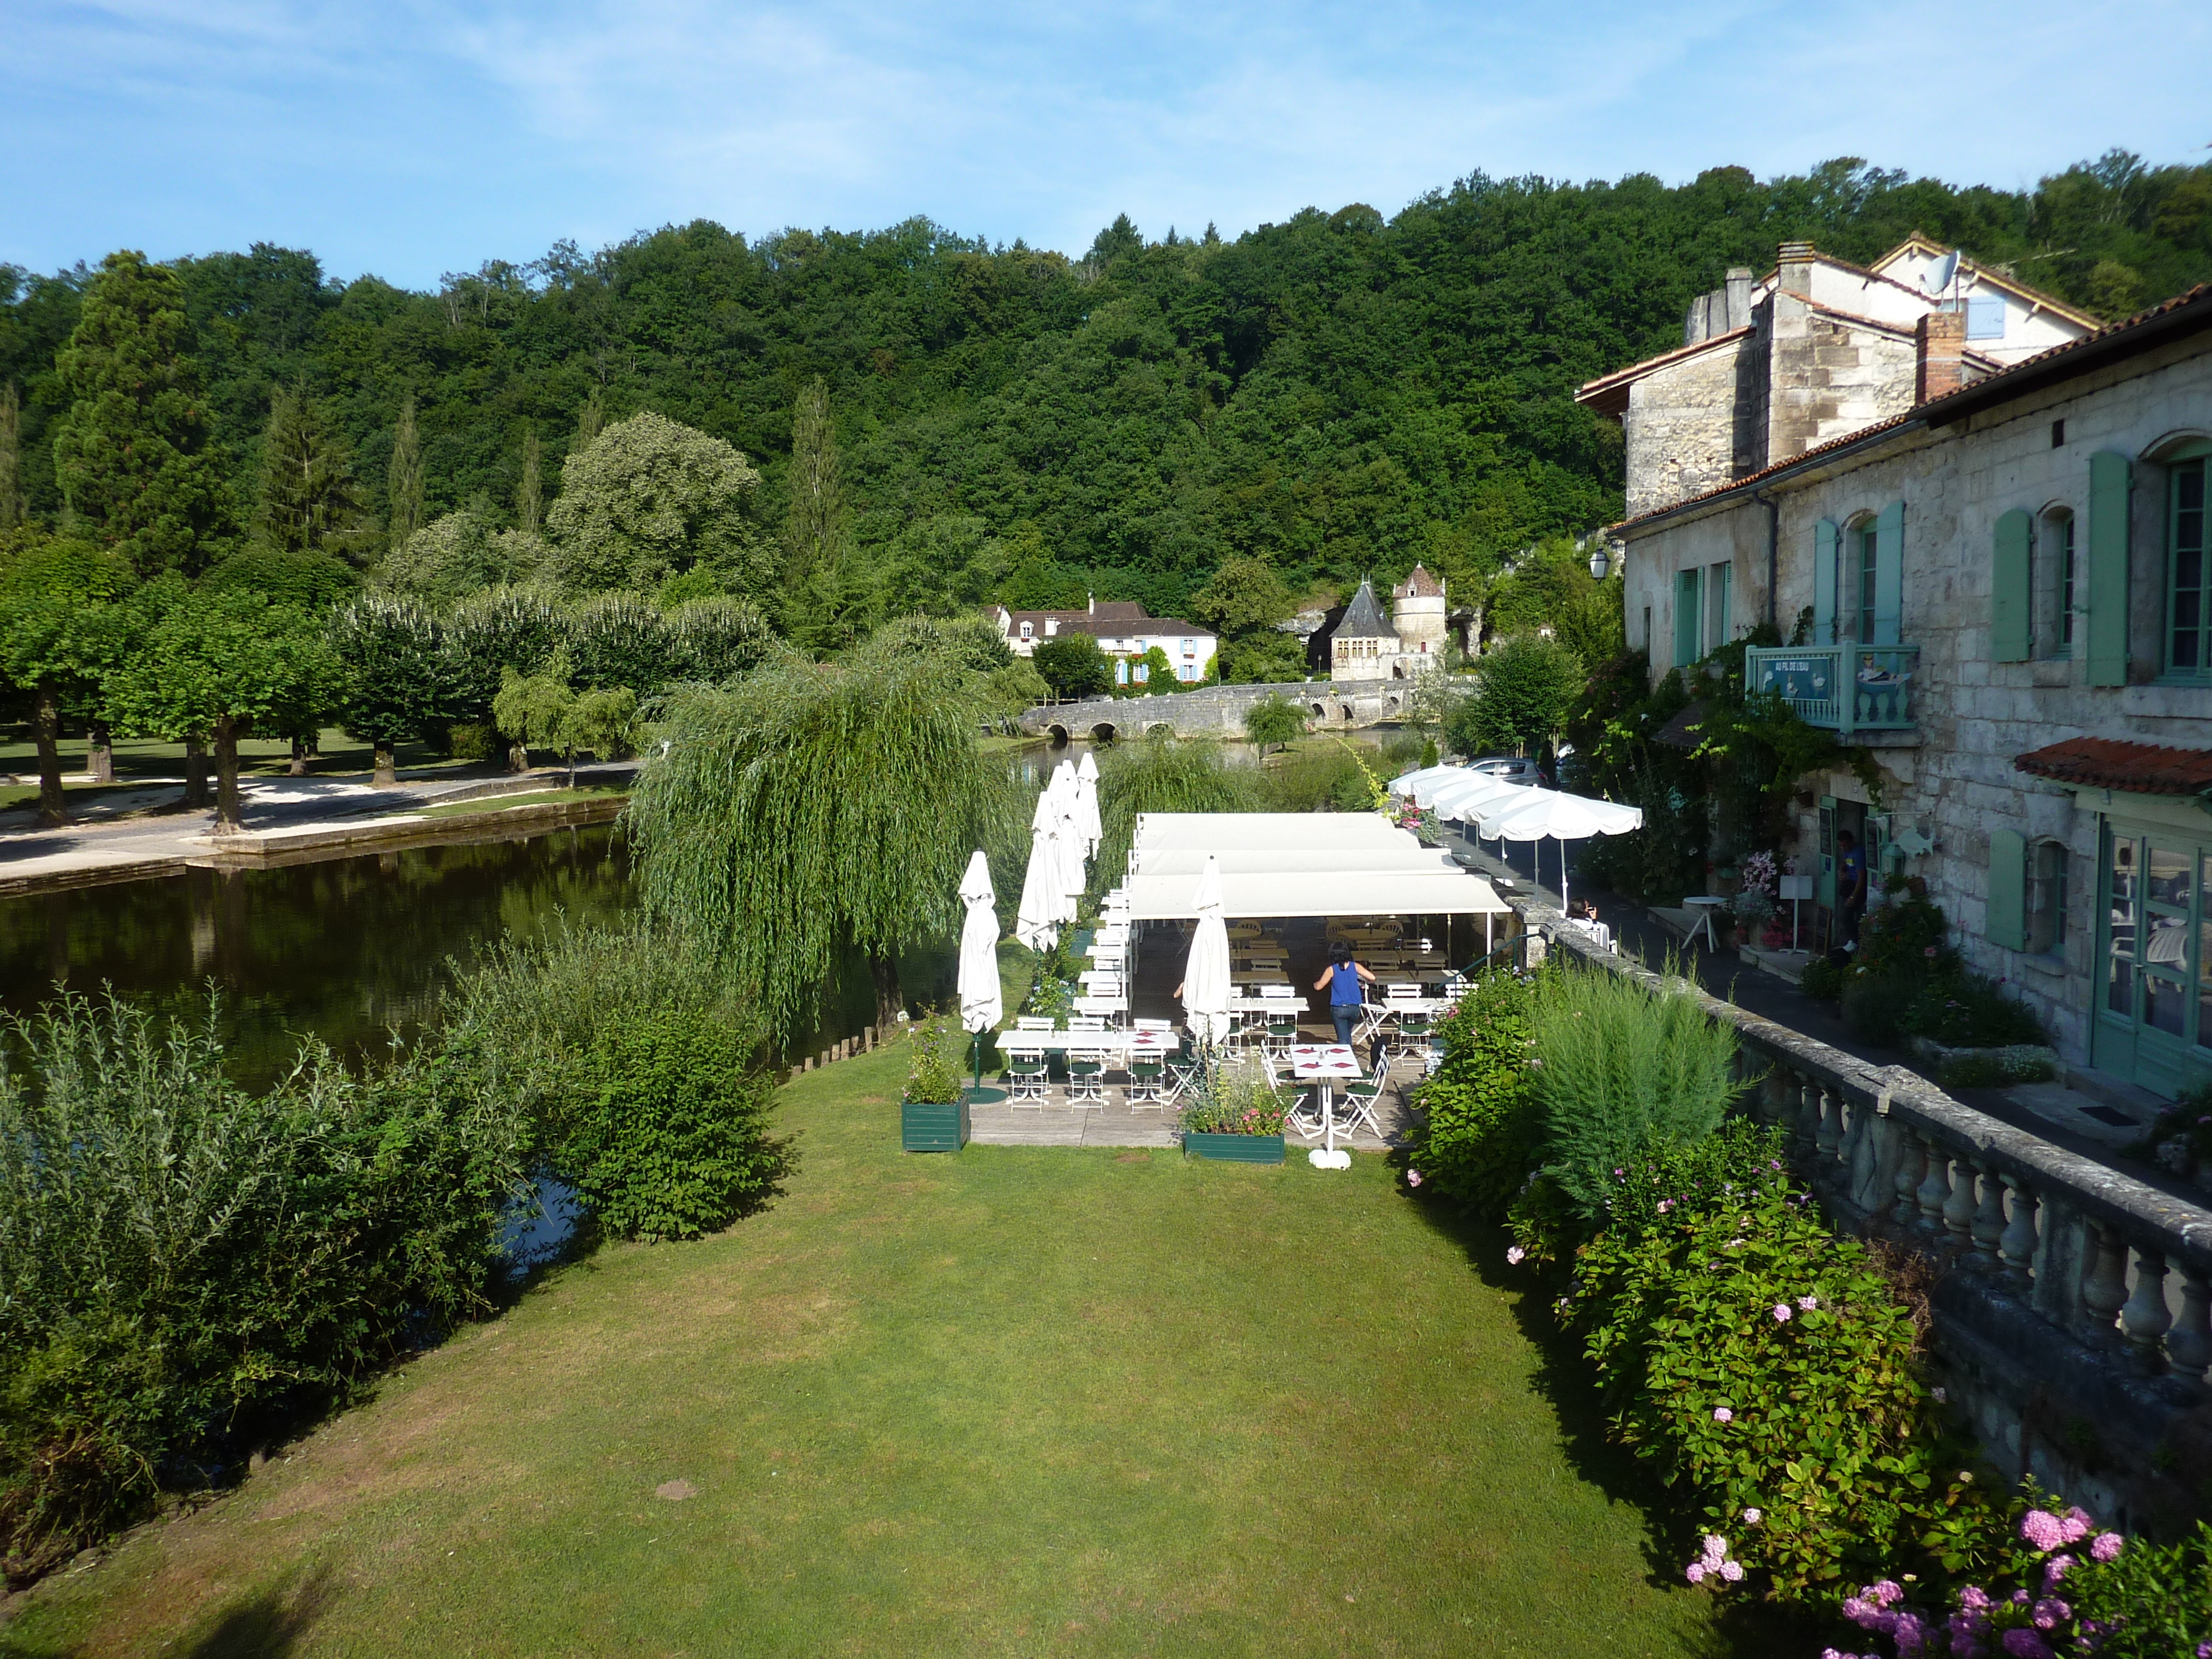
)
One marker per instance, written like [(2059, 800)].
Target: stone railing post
[(1935, 1190), (2018, 1244), (1960, 1210), (1989, 1223), (2105, 1286), (2067, 1251), (2189, 1344), (1828, 1132), (1912, 1165), (2146, 1318)]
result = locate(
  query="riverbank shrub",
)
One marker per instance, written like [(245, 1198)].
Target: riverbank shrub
[(641, 1079), (187, 1269)]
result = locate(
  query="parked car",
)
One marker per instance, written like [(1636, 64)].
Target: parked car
[(1514, 769)]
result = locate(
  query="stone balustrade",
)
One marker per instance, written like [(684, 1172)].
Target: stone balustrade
[(2070, 1304)]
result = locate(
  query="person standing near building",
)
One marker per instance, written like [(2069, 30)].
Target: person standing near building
[(1346, 979), (1850, 885)]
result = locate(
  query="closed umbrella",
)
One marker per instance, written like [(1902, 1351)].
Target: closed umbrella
[(1551, 815), (1037, 918), (1205, 971), (981, 1001), (1086, 804), (1068, 850)]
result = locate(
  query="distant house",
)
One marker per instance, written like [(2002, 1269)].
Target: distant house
[(1363, 644), (1124, 632)]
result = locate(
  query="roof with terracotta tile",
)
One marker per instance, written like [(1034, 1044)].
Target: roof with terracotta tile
[(1419, 585), (2140, 768)]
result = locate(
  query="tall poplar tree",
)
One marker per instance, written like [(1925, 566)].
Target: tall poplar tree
[(530, 494), (306, 482), (815, 525), (136, 469), (403, 480)]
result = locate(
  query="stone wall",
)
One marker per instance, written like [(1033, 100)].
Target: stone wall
[(1681, 426)]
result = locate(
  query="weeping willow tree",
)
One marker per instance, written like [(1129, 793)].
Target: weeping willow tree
[(813, 809), (1161, 775)]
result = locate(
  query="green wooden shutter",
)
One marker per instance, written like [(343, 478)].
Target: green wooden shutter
[(1686, 618), (2008, 587), (1723, 579), (1824, 539), (2008, 905), (2109, 474), (1889, 574)]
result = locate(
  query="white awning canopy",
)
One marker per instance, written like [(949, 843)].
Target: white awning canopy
[(1296, 864), (1320, 893)]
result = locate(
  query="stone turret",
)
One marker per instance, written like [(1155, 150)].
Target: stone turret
[(1364, 645), (1418, 609)]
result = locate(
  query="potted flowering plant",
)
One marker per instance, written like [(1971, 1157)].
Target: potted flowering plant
[(933, 1115), (1236, 1115)]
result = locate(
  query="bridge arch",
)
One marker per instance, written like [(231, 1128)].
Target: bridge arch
[(1102, 732), (1320, 713), (1057, 732), (1348, 716)]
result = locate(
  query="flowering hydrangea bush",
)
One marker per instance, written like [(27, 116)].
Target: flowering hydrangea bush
[(1764, 1366), (2063, 1587)]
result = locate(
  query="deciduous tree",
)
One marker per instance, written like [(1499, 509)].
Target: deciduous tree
[(1074, 667), (1271, 723), (649, 499), (398, 679), (63, 633)]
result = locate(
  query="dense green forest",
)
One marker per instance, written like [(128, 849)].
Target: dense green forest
[(1336, 395)]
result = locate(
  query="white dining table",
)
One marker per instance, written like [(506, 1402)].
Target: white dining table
[(1322, 1064)]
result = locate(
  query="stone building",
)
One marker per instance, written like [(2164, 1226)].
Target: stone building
[(2002, 591), (1124, 632), (1816, 349), (1419, 612), (1363, 645)]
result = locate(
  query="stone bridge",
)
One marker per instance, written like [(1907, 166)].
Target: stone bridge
[(1219, 710)]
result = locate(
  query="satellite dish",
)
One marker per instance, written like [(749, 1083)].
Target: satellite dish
[(1940, 273)]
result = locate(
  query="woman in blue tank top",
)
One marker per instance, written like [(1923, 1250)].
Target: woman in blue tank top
[(1344, 978)]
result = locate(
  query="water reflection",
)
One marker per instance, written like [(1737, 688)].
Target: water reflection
[(345, 949)]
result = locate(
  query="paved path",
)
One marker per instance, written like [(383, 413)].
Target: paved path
[(101, 845)]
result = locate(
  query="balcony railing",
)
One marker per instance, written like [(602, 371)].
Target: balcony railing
[(1845, 688)]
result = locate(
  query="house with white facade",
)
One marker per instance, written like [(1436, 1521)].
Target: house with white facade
[(1991, 572), (1124, 632)]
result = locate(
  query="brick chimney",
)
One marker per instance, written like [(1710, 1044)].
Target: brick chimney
[(1939, 348), (1795, 260)]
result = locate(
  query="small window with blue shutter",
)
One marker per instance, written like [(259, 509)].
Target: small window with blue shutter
[(1986, 318)]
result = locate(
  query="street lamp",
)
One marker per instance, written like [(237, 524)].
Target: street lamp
[(1600, 560)]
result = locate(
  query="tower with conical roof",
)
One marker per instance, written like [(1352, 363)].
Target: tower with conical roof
[(1365, 645), (1417, 611)]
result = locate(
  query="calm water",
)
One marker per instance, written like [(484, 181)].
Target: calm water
[(345, 949)]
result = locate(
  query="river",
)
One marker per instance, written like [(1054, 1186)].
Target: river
[(345, 949)]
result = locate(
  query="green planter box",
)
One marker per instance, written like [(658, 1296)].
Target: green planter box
[(1234, 1149), (929, 1125)]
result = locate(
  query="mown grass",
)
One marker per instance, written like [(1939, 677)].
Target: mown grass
[(1019, 1401)]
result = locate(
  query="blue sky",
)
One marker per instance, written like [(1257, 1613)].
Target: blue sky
[(409, 139)]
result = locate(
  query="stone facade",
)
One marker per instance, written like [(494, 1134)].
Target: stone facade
[(1817, 349), (1949, 782), (1219, 710)]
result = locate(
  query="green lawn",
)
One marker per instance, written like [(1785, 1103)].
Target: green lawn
[(137, 760), (1017, 1401)]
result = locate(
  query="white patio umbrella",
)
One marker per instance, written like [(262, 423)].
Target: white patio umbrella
[(1068, 850), (1086, 804), (1550, 815), (1206, 970), (981, 1001), (1036, 918), (1465, 796), (1421, 784)]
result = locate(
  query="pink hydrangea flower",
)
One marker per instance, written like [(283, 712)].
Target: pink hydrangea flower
[(1975, 1599), (2054, 1571), (2026, 1645), (1731, 1570), (1413, 1177), (2105, 1547), (1808, 1303), (2051, 1613), (1715, 1546), (2077, 1525), (1888, 1591), (1722, 1414), (2042, 1529), (1751, 1518), (1695, 1572), (1782, 1313), (1515, 1254)]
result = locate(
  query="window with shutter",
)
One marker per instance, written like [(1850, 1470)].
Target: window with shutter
[(1719, 579), (2007, 899), (1686, 600), (1824, 539), (1986, 318), (2010, 592), (2109, 474), (2188, 571), (1889, 574)]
